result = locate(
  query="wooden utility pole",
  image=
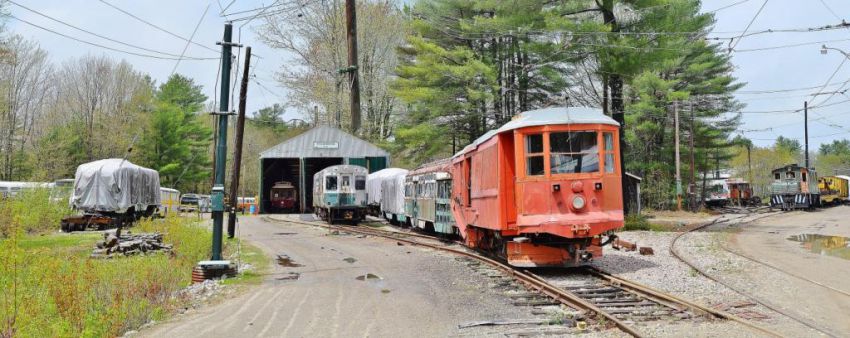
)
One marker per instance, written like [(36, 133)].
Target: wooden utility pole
[(693, 183), (351, 36), (806, 127), (237, 153), (678, 165)]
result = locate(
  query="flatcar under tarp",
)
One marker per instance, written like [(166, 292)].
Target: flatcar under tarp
[(114, 185)]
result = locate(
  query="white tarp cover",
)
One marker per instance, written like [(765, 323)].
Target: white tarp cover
[(114, 185), (392, 193), (373, 183)]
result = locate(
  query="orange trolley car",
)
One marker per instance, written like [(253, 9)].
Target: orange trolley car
[(542, 190)]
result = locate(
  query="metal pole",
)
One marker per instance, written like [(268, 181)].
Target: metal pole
[(806, 127), (351, 35), (237, 154), (221, 143), (678, 165)]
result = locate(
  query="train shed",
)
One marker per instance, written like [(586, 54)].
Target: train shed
[(296, 160)]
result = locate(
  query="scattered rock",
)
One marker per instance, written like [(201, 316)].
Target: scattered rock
[(349, 260), (385, 290), (399, 244), (625, 245), (646, 251)]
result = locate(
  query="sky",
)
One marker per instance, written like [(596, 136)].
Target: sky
[(769, 73)]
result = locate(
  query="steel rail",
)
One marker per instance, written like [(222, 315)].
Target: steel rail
[(537, 283), (774, 267), (639, 288), (704, 273)]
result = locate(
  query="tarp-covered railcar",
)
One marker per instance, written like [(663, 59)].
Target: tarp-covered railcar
[(115, 186), (392, 197), (374, 187)]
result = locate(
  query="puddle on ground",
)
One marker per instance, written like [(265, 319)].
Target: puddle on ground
[(290, 276), (368, 276), (826, 245), (284, 260)]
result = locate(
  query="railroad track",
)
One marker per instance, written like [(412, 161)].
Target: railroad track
[(619, 301), (756, 299)]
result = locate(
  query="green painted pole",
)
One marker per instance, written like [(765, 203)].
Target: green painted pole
[(221, 145)]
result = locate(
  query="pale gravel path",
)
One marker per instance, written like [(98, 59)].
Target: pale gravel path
[(422, 293)]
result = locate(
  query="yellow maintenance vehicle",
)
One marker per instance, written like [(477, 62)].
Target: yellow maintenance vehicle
[(834, 189)]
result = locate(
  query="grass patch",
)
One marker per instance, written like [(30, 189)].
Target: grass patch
[(373, 224), (31, 212), (249, 254), (639, 222), (51, 288)]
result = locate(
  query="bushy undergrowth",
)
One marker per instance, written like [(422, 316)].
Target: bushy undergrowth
[(636, 222), (32, 211), (51, 288)]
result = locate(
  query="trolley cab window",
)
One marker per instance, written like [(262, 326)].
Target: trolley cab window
[(534, 155), (573, 152), (360, 183), (330, 183)]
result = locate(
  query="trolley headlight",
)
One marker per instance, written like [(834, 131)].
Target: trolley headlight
[(579, 202)]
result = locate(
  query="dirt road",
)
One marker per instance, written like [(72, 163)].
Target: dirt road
[(824, 260), (415, 292)]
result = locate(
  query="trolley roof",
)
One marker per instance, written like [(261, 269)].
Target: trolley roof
[(546, 116)]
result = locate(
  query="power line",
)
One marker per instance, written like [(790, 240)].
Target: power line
[(830, 9), (190, 39), (97, 44), (735, 42), (157, 27), (99, 35), (251, 10), (821, 105), (728, 6), (789, 45)]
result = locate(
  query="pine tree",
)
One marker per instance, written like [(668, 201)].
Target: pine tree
[(176, 142)]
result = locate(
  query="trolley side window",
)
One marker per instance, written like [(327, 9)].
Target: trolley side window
[(330, 183), (803, 176), (608, 140), (534, 155), (360, 183), (776, 176), (573, 152)]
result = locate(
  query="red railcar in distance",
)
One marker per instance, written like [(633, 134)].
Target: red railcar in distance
[(543, 189), (284, 196)]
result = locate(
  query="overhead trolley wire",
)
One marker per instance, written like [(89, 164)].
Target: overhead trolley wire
[(727, 6), (185, 47), (734, 43), (102, 36), (158, 27), (830, 9), (99, 45)]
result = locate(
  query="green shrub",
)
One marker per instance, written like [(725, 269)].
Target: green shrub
[(32, 211), (636, 222)]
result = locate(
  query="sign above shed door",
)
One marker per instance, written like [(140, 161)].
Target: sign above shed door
[(326, 145)]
